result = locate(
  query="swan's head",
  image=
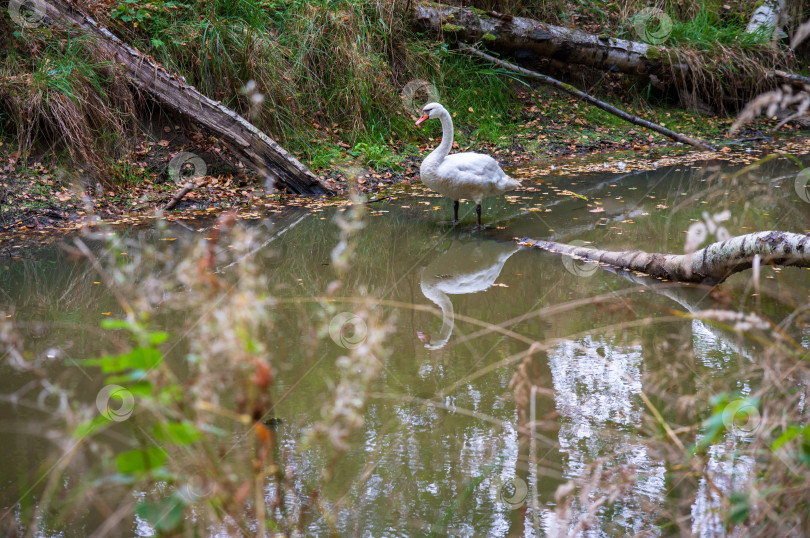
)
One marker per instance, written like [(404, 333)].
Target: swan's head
[(431, 111)]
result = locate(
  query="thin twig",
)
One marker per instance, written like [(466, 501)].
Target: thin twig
[(188, 187), (549, 81)]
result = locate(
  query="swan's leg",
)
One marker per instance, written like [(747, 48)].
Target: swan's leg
[(455, 211), (478, 212)]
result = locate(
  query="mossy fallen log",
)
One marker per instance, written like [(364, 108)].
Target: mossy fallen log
[(505, 33), (523, 36)]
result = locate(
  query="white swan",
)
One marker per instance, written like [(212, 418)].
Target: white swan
[(471, 176), (465, 268)]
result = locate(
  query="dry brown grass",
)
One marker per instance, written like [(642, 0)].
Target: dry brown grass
[(74, 98)]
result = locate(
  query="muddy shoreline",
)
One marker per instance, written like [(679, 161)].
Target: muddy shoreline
[(247, 196)]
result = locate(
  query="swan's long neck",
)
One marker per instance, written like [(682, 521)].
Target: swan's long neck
[(448, 316), (444, 148)]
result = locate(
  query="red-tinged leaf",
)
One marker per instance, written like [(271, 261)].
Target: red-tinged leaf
[(262, 433)]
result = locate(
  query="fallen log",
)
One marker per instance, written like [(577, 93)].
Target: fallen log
[(709, 265), (249, 144), (553, 82), (507, 34), (766, 19)]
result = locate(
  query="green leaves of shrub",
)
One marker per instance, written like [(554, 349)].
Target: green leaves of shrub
[(129, 11), (142, 335), (792, 432), (144, 357), (140, 460), (178, 433), (740, 508), (377, 156), (139, 358), (727, 407)]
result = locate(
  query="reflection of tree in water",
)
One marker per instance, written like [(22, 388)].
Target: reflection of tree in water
[(596, 386), (725, 473)]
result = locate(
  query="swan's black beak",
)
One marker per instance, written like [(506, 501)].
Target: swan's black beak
[(423, 118)]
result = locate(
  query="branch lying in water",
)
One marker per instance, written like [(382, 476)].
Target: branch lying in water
[(712, 264)]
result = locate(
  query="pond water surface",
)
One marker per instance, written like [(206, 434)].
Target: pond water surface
[(443, 447)]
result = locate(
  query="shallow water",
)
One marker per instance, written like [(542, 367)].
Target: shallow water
[(440, 449)]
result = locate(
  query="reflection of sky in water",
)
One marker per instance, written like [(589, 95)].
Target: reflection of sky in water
[(597, 397)]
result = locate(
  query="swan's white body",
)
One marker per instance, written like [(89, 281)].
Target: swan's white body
[(469, 176), (464, 268)]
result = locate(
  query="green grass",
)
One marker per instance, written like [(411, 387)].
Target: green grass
[(327, 62), (53, 87), (706, 31), (125, 173)]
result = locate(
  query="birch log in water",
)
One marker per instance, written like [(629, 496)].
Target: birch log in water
[(712, 264), (249, 144)]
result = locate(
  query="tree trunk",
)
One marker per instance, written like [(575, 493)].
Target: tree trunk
[(505, 33), (251, 146), (766, 18), (712, 264), (521, 35)]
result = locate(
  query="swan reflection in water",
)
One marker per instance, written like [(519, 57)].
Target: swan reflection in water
[(466, 267)]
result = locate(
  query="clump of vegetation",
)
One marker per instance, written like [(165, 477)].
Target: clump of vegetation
[(57, 86)]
